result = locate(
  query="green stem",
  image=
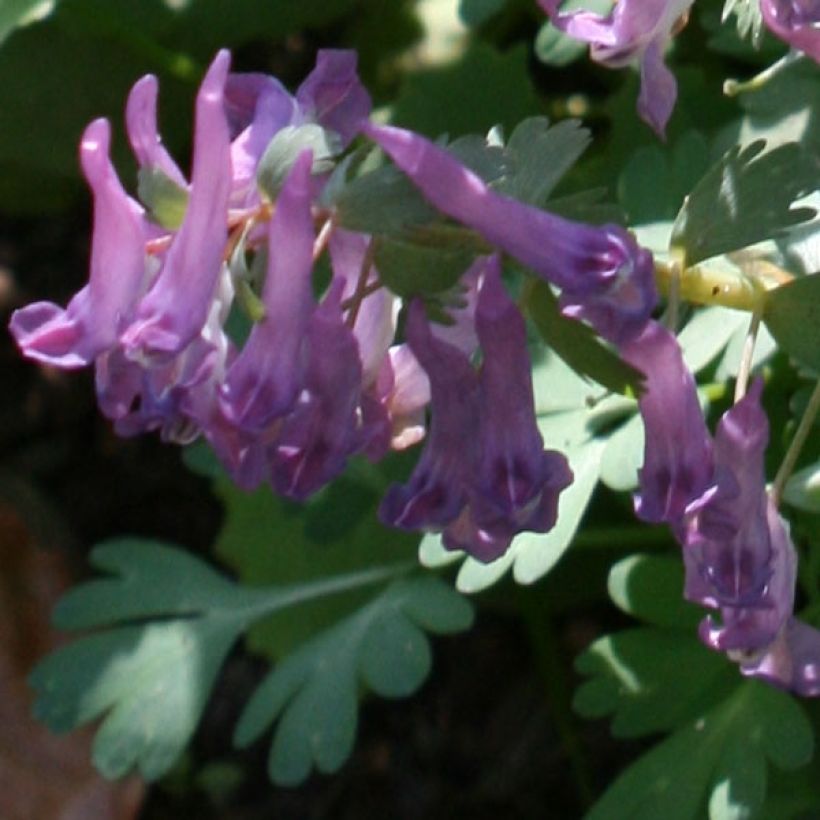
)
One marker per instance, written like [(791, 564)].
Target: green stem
[(793, 453), (552, 666), (267, 600), (746, 358)]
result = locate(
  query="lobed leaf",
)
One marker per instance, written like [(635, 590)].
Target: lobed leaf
[(792, 315), (716, 765), (313, 693), (165, 622), (745, 198)]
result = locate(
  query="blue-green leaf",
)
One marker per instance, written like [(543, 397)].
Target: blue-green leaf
[(313, 693), (748, 196), (715, 766), (165, 623)]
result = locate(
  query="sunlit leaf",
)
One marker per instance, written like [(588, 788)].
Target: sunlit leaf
[(165, 622), (746, 198)]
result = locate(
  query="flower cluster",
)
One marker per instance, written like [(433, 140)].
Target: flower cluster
[(738, 556), (316, 381)]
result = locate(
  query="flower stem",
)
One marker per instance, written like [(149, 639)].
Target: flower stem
[(361, 291), (745, 368), (323, 238), (793, 453), (552, 666), (731, 88)]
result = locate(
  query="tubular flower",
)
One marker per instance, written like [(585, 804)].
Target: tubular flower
[(635, 31), (483, 476), (177, 304), (91, 323), (287, 405), (604, 276), (677, 466), (517, 482), (263, 381), (436, 493), (738, 554), (797, 22)]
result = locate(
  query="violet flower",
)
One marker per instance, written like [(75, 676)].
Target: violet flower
[(791, 661), (143, 134), (333, 96), (90, 324), (516, 483), (738, 556), (436, 494), (604, 276), (320, 433), (265, 379), (176, 307), (797, 22), (677, 465), (635, 31)]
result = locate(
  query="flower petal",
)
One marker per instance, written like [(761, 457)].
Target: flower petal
[(266, 377), (176, 307)]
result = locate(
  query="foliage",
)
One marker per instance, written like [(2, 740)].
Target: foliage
[(163, 624), (656, 678)]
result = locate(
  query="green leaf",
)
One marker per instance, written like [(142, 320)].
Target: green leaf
[(539, 155), (718, 761), (381, 201), (409, 268), (656, 179), (284, 149), (651, 680), (268, 540), (792, 315), (745, 198), (650, 587), (164, 200), (17, 13), (313, 693), (578, 345), (165, 622), (802, 490)]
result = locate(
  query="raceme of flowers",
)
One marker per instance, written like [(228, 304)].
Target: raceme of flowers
[(640, 31), (318, 380)]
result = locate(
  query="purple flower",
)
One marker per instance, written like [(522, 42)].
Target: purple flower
[(516, 483), (436, 494), (604, 276), (141, 124), (791, 661), (175, 309), (90, 324), (677, 466), (264, 381), (333, 96), (797, 22), (322, 430), (634, 31), (484, 474), (738, 555)]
